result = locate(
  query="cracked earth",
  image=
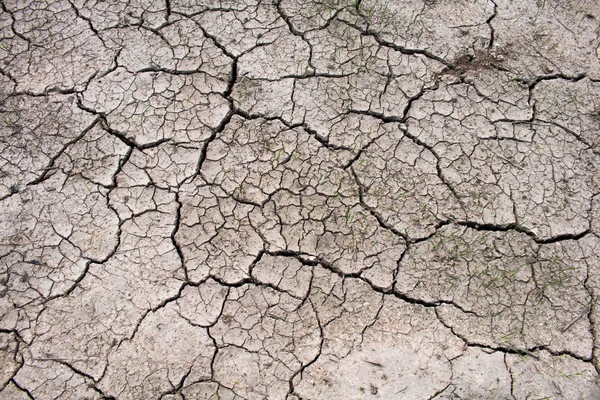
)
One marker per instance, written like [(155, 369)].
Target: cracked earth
[(336, 199)]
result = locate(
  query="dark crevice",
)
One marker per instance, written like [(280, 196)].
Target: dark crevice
[(177, 225), (47, 171), (211, 138), (489, 23), (510, 374), (298, 374), (438, 392), (168, 9), (22, 389), (121, 136), (401, 49), (507, 349)]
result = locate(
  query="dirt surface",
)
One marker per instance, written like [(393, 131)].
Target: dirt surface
[(336, 199)]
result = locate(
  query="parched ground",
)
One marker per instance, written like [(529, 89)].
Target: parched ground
[(299, 199)]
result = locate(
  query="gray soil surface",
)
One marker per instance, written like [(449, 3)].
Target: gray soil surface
[(335, 199)]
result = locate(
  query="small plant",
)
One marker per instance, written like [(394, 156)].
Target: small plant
[(596, 114), (246, 87)]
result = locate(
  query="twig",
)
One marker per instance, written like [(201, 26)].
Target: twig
[(587, 310), (376, 364)]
